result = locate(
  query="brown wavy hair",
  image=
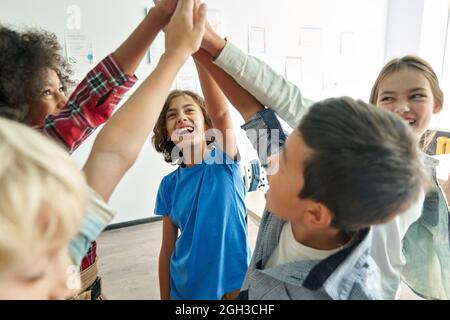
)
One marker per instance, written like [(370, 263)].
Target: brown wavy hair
[(24, 58), (161, 140), (418, 64)]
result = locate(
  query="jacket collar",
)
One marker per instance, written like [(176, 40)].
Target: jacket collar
[(336, 274)]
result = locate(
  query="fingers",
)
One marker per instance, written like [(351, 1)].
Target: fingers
[(185, 6), (156, 2), (201, 18)]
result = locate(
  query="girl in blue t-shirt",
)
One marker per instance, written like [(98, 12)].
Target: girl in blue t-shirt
[(204, 252)]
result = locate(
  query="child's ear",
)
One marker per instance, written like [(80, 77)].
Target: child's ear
[(318, 215), (437, 108)]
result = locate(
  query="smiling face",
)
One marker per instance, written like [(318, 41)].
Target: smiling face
[(408, 93), (185, 122), (51, 100)]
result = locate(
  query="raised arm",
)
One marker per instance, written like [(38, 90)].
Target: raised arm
[(258, 78), (118, 144), (248, 106), (243, 101), (130, 53), (217, 108)]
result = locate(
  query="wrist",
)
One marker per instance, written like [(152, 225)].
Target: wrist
[(214, 45), (175, 56), (156, 14)]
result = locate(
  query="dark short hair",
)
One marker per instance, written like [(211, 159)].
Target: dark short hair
[(160, 139), (24, 57), (365, 166)]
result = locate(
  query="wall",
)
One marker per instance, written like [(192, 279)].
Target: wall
[(420, 27), (345, 59)]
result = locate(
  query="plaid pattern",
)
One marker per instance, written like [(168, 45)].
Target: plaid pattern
[(90, 104), (90, 257)]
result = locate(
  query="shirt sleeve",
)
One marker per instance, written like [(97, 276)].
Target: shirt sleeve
[(161, 206), (266, 134), (264, 83), (386, 248), (97, 217), (90, 104)]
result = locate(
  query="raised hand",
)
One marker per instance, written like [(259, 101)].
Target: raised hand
[(166, 8), (186, 28)]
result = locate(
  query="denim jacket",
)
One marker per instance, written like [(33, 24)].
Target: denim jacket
[(426, 246), (350, 273), (424, 261)]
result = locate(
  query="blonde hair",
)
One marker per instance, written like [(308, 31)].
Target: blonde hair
[(43, 194)]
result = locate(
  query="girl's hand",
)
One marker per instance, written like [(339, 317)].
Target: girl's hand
[(186, 28)]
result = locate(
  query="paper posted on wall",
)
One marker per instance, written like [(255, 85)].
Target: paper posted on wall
[(79, 48), (257, 40)]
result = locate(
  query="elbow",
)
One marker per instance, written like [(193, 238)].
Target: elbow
[(126, 159), (220, 116)]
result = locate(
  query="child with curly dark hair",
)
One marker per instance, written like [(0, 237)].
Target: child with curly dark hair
[(35, 81)]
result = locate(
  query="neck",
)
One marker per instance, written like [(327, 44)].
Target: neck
[(326, 238), (194, 154)]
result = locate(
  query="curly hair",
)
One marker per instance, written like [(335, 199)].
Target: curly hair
[(160, 139), (24, 58)]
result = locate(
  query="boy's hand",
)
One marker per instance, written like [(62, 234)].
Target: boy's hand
[(186, 28), (166, 8)]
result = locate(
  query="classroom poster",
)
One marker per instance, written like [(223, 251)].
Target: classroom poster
[(293, 70), (79, 48), (257, 40)]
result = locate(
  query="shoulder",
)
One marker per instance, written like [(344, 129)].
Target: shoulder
[(169, 179)]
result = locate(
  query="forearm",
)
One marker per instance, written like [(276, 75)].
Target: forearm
[(217, 108), (213, 43), (134, 48), (216, 103), (264, 83), (164, 275), (241, 99), (120, 141)]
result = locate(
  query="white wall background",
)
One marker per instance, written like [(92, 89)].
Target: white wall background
[(108, 23), (420, 27)]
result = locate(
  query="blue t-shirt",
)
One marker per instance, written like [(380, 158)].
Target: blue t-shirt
[(206, 202)]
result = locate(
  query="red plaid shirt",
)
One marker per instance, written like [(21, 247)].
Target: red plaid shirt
[(90, 105)]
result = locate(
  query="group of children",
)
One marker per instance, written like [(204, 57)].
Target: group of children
[(353, 209)]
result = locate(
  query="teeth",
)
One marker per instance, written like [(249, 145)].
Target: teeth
[(184, 131)]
